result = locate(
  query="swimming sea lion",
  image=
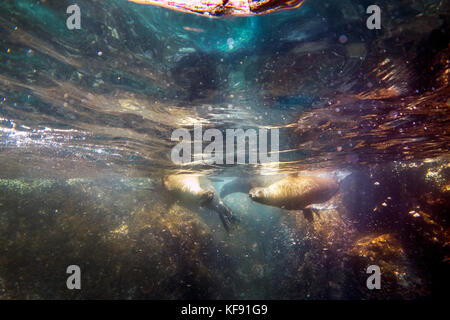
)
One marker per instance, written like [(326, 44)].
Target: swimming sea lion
[(198, 189), (296, 193)]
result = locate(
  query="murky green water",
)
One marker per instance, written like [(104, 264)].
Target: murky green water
[(86, 118)]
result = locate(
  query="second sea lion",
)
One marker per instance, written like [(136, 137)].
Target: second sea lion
[(296, 193)]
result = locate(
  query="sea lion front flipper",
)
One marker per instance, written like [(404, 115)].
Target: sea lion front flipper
[(223, 211), (232, 218), (308, 213), (225, 222)]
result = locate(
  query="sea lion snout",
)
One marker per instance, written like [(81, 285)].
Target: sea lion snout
[(256, 193)]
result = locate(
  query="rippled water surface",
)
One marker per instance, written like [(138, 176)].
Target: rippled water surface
[(86, 118)]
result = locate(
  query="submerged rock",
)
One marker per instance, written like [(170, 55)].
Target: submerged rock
[(127, 243)]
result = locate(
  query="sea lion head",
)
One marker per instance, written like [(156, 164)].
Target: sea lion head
[(206, 197), (257, 194)]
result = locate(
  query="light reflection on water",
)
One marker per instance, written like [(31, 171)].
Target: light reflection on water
[(337, 103)]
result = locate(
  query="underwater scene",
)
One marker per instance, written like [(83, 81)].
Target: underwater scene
[(214, 149)]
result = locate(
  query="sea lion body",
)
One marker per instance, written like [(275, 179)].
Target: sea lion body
[(188, 187), (198, 189), (296, 193)]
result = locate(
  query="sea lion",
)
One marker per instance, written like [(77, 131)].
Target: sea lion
[(197, 189), (296, 193)]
